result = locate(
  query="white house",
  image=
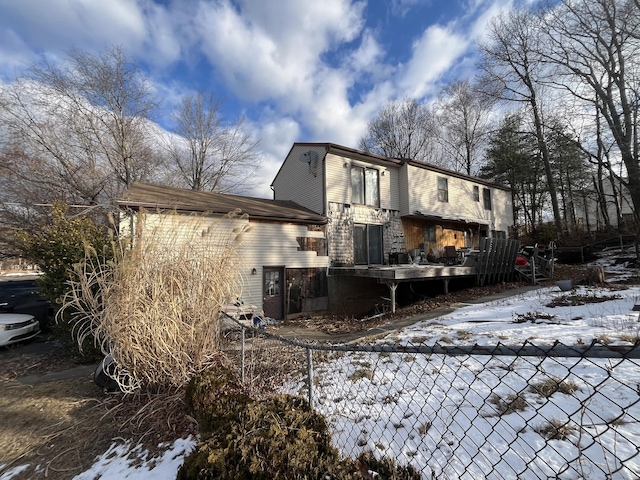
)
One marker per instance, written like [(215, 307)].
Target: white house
[(376, 206), (336, 207), (283, 253)]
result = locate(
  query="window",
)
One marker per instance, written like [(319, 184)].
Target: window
[(476, 193), (443, 189), (365, 186), (430, 234), (272, 283), (486, 198), (367, 244)]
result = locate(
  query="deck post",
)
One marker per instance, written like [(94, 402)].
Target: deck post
[(446, 285), (392, 289)]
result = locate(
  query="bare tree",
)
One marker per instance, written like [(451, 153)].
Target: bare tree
[(463, 115), (209, 154), (402, 129), (511, 62), (81, 126), (596, 46)]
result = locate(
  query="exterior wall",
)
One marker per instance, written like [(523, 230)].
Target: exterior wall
[(263, 244), (422, 196), (342, 217), (339, 181), (302, 182), (589, 215)]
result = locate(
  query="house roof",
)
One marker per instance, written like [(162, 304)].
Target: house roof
[(366, 156), (144, 195)]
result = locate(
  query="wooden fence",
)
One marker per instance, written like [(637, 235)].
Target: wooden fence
[(496, 260)]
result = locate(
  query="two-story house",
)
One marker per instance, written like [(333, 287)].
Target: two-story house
[(374, 203), (380, 210)]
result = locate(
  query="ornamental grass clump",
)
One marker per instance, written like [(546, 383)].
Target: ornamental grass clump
[(154, 308)]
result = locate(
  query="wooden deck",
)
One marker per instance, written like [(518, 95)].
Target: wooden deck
[(405, 272), (392, 275), (493, 262)]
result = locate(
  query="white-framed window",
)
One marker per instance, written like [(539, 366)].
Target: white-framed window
[(486, 198), (365, 186), (476, 193), (443, 189)]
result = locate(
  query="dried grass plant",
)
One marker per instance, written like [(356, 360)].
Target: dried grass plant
[(155, 308)]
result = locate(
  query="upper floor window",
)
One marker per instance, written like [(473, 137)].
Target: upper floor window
[(365, 186), (443, 189), (476, 193), (486, 198)]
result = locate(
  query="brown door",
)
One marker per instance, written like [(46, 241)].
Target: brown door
[(273, 292)]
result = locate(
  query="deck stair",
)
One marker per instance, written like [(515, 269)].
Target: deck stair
[(538, 269)]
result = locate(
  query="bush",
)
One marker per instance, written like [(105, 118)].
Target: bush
[(60, 245), (277, 437), (270, 438)]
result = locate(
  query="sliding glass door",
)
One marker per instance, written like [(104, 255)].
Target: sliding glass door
[(367, 244)]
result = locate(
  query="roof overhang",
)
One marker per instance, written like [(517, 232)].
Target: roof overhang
[(450, 218)]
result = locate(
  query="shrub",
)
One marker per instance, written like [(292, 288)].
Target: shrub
[(58, 246), (276, 437), (512, 403), (270, 438), (548, 387), (556, 430)]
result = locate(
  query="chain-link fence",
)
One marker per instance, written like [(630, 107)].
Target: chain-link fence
[(453, 412)]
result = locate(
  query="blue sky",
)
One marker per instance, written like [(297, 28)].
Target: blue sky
[(299, 70)]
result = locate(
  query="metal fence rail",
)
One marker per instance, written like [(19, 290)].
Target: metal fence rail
[(464, 412)]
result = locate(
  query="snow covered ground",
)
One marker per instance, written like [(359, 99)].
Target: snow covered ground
[(481, 416), (475, 417), (497, 417)]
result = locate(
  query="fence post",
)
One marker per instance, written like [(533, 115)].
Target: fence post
[(310, 376), (533, 268), (242, 356)]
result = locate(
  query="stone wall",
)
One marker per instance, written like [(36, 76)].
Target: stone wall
[(342, 217)]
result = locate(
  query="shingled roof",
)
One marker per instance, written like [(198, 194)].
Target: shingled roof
[(144, 195)]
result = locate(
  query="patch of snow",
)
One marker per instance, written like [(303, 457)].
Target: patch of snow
[(440, 413), (122, 460), (9, 474)]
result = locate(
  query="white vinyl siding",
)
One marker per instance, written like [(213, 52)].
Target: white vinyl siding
[(339, 171), (422, 196), (264, 244), (275, 244), (302, 182), (338, 179)]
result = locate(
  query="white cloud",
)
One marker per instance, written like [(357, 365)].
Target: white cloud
[(277, 135), (369, 56), (402, 7), (488, 10), (274, 53), (434, 53), (60, 25), (157, 34)]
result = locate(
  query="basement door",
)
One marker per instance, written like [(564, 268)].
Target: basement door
[(273, 298)]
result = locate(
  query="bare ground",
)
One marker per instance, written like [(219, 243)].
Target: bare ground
[(58, 428)]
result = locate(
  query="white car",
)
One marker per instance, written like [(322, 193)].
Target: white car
[(15, 327)]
